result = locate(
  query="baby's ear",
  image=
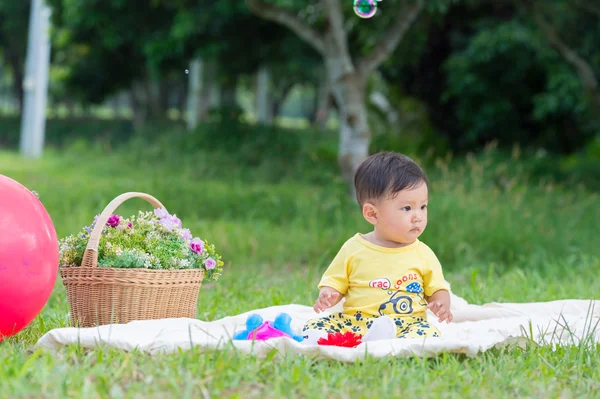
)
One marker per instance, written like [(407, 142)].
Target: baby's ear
[(370, 212)]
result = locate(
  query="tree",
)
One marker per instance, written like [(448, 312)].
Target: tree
[(347, 68), (99, 53), (105, 47), (223, 29), (14, 20), (487, 72), (555, 16)]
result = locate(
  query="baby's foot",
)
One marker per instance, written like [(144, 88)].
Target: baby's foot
[(312, 336), (382, 328)]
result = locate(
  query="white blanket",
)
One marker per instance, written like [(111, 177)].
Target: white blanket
[(475, 329)]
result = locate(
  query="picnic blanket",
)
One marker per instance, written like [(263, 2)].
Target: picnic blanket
[(475, 329)]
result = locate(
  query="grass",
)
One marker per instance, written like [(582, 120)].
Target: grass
[(500, 235)]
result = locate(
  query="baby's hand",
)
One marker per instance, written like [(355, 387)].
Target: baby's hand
[(328, 297), (440, 311)]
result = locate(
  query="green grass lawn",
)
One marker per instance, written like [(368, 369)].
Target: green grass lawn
[(500, 236)]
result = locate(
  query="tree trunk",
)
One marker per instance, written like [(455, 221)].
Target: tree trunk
[(229, 92), (182, 93), (263, 97), (164, 86), (279, 98), (230, 109), (322, 104), (347, 76), (355, 135), (585, 71), (139, 104), (152, 88), (15, 60), (208, 85), (195, 88)]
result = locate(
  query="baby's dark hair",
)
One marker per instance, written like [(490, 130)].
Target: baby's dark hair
[(386, 173)]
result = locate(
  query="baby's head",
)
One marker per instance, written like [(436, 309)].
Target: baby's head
[(392, 191)]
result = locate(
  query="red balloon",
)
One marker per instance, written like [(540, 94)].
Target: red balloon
[(28, 257)]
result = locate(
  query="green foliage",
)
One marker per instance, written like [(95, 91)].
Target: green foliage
[(297, 200), (538, 100), (487, 73), (410, 131), (66, 132), (149, 241), (278, 154), (100, 52), (97, 52), (14, 22), (493, 100)]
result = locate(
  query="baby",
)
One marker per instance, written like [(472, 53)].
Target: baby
[(388, 277)]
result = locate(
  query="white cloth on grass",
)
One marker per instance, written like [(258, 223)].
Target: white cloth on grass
[(475, 329)]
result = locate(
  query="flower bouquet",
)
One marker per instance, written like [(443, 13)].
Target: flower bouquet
[(143, 267)]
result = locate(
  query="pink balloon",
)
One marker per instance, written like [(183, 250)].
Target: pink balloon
[(28, 257)]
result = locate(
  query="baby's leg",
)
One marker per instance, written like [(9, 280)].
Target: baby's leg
[(334, 323), (382, 327), (415, 327)]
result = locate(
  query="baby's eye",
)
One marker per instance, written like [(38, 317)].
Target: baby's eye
[(423, 207), (406, 208)]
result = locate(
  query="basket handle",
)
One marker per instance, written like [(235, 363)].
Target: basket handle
[(90, 255)]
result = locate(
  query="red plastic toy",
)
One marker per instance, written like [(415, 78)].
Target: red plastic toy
[(347, 339), (28, 257)]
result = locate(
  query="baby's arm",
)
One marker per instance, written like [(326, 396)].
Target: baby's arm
[(328, 297), (439, 304), (336, 276)]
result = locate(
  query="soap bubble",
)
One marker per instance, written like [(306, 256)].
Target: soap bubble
[(187, 71), (365, 8)]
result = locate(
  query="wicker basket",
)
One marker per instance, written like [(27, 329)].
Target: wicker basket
[(101, 295)]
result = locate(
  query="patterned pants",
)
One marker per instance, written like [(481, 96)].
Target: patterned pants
[(406, 326)]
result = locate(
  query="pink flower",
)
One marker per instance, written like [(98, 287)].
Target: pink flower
[(169, 225), (210, 263), (113, 221), (186, 234), (175, 220), (161, 213), (197, 245), (130, 225), (171, 222)]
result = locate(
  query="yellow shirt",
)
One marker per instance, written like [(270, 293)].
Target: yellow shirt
[(377, 281)]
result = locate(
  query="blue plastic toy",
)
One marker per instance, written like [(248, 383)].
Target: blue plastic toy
[(258, 330)]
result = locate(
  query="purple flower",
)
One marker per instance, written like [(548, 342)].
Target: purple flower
[(210, 263), (175, 220), (197, 245), (186, 234), (94, 222), (130, 225), (161, 213), (113, 221), (168, 223)]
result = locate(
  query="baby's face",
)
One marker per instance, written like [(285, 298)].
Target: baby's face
[(403, 218)]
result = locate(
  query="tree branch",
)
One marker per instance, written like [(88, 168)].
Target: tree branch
[(583, 68), (391, 39), (589, 7), (284, 17), (336, 25), (337, 34)]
